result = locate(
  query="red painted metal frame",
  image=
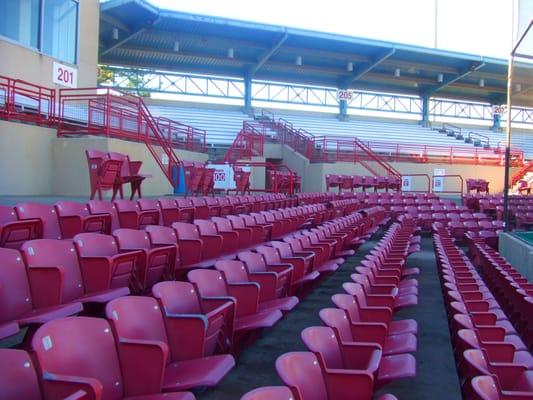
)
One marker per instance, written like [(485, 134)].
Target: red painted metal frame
[(460, 193), (25, 101), (419, 191), (520, 174), (250, 142)]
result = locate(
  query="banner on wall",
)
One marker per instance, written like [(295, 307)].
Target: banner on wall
[(223, 176), (406, 183), (438, 180)]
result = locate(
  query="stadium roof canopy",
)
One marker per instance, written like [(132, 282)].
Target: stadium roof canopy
[(153, 38)]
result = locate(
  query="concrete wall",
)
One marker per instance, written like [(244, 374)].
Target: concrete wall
[(17, 61), (518, 253)]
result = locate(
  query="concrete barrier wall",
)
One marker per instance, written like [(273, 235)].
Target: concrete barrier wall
[(518, 253)]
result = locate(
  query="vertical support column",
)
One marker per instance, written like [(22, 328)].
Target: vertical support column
[(248, 93), (425, 111), (343, 108), (496, 121)]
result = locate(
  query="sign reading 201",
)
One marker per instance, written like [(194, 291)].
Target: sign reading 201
[(64, 75)]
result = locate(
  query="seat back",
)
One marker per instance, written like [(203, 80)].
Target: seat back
[(270, 254), (206, 227), (177, 297), (148, 204), (476, 361), (96, 244), (337, 319), (104, 207), (56, 253), (46, 213), (18, 378), (283, 248), (137, 318), (161, 235), (301, 372), (222, 224), (7, 214), (132, 239), (186, 231), (79, 346), (209, 283), (269, 393), (65, 208), (126, 206), (322, 341), (234, 271), (254, 261), (356, 290), (125, 162), (486, 388), (15, 294), (103, 172)]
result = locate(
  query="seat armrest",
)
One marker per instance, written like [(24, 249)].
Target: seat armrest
[(247, 297), (46, 283), (142, 364), (58, 386)]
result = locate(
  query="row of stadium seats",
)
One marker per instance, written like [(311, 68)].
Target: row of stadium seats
[(352, 182), (493, 362), (479, 185), (513, 291), (361, 348), (65, 219), (168, 342)]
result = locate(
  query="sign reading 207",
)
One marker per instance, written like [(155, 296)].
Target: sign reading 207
[(64, 75)]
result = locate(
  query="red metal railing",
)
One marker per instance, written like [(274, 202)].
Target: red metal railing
[(249, 143), (27, 102), (459, 177), (520, 174), (483, 139), (183, 136)]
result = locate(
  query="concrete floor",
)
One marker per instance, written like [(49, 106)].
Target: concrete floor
[(436, 374)]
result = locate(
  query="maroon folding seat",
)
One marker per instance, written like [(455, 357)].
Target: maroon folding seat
[(169, 210), (302, 272), (18, 306), (213, 206), (129, 173), (139, 319), (269, 393), (457, 229), (226, 208), (103, 266), (321, 261), (150, 205), (195, 249), (258, 269), (211, 284), (101, 207), (488, 388), (104, 173), (389, 286), (131, 216), (186, 209), (204, 326), (238, 205), (510, 377), (372, 324), (14, 232), (201, 210), (393, 301), (244, 235), (75, 218), (336, 354), (309, 378), (266, 229), (230, 239), (332, 181), (56, 276), (234, 272), (155, 263), (46, 213), (256, 232), (276, 227), (79, 353)]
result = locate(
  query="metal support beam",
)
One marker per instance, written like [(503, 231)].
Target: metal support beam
[(115, 22), (373, 64), (123, 41), (248, 92), (455, 78), (425, 110), (265, 57)]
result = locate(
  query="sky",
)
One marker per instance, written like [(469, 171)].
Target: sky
[(482, 27)]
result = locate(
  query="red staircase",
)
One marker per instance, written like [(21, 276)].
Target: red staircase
[(324, 149), (248, 143), (107, 112), (528, 167)]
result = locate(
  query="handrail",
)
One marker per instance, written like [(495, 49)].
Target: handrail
[(520, 174), (421, 175), (448, 191), (452, 126), (475, 134)]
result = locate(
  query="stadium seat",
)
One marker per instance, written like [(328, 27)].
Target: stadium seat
[(79, 353), (75, 218), (14, 232), (129, 173), (244, 235), (17, 304), (281, 276), (487, 388), (335, 354), (186, 209), (18, 378), (269, 393), (393, 301), (234, 272), (104, 267), (132, 217), (213, 316), (46, 213), (209, 232), (211, 284), (156, 263), (104, 173), (101, 207), (137, 319), (56, 276)]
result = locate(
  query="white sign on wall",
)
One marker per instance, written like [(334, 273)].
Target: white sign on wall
[(438, 181), (406, 183), (64, 75)]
